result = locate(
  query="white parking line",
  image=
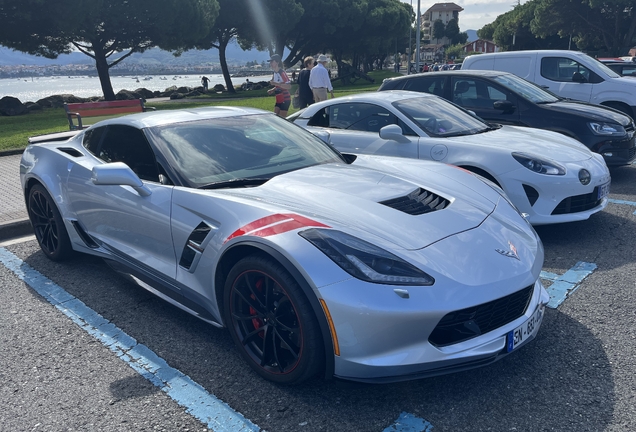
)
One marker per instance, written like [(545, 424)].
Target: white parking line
[(615, 201), (216, 414), (564, 285), (409, 423)]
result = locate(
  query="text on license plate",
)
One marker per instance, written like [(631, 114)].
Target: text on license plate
[(603, 191), (525, 330)]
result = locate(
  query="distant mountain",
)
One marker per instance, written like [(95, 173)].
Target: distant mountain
[(472, 35), (234, 54)]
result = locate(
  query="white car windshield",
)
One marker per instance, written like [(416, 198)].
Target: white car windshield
[(440, 118), (239, 150), (526, 89)]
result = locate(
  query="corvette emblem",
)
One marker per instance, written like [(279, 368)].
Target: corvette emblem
[(512, 253)]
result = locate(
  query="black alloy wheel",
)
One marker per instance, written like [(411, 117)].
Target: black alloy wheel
[(48, 225), (272, 322)]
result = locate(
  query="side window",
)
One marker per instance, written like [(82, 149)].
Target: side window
[(429, 84), (358, 117), (129, 145), (92, 139), (561, 69), (320, 119), (494, 94), (465, 92)]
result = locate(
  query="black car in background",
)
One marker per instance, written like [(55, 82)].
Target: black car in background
[(623, 68), (501, 97)]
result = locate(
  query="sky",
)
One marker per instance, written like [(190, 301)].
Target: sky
[(476, 13)]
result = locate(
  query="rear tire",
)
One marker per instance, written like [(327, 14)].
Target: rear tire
[(48, 225), (272, 322)]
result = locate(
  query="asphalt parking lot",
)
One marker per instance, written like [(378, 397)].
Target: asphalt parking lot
[(578, 375)]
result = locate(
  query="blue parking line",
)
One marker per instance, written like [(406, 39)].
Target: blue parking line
[(565, 284), (409, 423), (205, 407), (615, 201)]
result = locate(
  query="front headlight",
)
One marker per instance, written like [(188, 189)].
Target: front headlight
[(607, 129), (365, 261), (538, 164)]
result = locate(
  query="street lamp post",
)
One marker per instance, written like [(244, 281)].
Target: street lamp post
[(417, 38), (408, 66)]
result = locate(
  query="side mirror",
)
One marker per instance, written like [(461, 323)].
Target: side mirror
[(118, 174), (504, 105), (393, 133), (578, 77), (323, 135)]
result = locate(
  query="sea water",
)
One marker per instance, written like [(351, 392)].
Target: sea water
[(36, 88)]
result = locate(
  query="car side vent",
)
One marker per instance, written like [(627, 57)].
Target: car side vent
[(86, 238), (418, 202), (194, 246), (71, 151)]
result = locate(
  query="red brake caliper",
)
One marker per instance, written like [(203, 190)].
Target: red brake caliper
[(257, 322)]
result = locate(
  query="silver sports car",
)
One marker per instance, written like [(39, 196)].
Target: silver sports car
[(369, 269)]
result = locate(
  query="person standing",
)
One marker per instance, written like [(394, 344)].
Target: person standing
[(305, 95), (204, 82), (319, 80), (281, 84)]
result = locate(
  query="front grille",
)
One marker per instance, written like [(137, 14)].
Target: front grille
[(631, 152), (471, 322), (578, 203), (418, 202)]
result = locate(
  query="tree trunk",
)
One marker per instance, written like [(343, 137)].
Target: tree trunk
[(104, 76), (222, 59)]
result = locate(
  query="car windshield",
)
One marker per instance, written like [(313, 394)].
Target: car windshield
[(526, 89), (440, 118), (607, 70), (239, 150)]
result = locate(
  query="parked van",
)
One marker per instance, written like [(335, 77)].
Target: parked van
[(569, 74)]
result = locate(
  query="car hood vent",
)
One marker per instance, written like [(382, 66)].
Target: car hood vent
[(418, 202)]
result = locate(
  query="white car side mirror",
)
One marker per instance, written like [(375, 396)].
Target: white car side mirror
[(118, 174), (394, 133)]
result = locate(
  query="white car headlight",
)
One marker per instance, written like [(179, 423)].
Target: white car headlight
[(607, 129), (538, 164), (365, 261)]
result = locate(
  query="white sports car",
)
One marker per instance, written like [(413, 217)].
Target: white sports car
[(550, 177), (369, 269)]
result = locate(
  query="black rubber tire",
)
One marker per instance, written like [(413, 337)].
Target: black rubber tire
[(271, 321), (48, 225)]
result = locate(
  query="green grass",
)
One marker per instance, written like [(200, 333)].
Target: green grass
[(15, 130)]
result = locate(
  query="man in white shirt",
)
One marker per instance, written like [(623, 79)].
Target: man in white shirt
[(319, 81)]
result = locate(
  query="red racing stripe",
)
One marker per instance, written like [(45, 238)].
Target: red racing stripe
[(275, 224)]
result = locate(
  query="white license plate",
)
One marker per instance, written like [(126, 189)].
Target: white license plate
[(525, 330), (603, 191)]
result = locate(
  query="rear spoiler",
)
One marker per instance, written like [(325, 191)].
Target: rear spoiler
[(58, 136)]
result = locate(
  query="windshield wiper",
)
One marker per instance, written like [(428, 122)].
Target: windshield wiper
[(234, 183)]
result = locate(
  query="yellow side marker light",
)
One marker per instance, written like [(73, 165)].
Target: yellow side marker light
[(332, 328)]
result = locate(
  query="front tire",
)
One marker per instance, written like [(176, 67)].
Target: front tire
[(48, 225), (271, 321)]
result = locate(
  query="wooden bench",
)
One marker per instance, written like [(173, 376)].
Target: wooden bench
[(101, 109)]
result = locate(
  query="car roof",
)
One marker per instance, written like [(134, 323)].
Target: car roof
[(164, 117), (481, 73), (389, 96)]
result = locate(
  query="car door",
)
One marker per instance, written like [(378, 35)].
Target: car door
[(133, 227), (558, 76), (355, 128), (479, 96)]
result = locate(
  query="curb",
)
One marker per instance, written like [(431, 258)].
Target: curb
[(11, 152), (16, 228)]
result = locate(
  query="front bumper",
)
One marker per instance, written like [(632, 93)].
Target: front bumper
[(616, 152), (419, 358), (550, 199)]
